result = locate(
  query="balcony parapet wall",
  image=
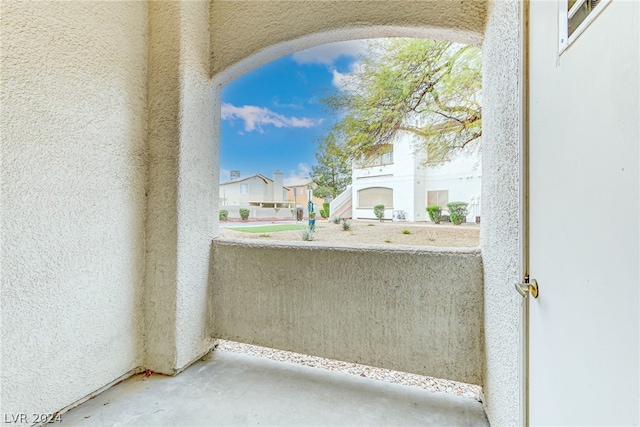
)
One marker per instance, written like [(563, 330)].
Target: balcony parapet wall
[(411, 309)]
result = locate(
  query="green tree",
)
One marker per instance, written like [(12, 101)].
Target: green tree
[(430, 88), (332, 174)]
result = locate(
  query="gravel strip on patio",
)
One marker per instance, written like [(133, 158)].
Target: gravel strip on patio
[(427, 383)]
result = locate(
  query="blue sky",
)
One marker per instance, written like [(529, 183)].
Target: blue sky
[(272, 117)]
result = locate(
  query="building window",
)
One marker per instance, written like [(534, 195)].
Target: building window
[(244, 188), (575, 17), (438, 197), (377, 155), (369, 197)]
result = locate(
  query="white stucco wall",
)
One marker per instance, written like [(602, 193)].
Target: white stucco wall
[(462, 177), (410, 309), (73, 126), (401, 175), (500, 211), (182, 187)]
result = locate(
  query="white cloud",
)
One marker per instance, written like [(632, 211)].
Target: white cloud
[(327, 53), (339, 80), (346, 81), (300, 176), (293, 105), (255, 118)]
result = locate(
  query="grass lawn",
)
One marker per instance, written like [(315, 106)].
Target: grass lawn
[(268, 228)]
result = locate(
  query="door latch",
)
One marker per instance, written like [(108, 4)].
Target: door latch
[(528, 286)]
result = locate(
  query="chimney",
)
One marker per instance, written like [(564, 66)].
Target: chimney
[(278, 188)]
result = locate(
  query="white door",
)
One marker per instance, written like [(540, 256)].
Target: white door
[(584, 213)]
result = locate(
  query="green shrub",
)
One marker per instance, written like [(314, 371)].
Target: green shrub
[(336, 220), (457, 212), (406, 231), (223, 215), (346, 225), (378, 210), (244, 214), (324, 213), (307, 233), (435, 213)]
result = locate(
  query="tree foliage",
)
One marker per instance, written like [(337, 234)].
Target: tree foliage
[(332, 174), (427, 87)]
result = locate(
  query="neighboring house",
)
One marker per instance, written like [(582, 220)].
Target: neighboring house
[(266, 198), (397, 177), (256, 190), (262, 195), (299, 194)]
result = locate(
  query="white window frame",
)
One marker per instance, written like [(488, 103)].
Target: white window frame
[(563, 21)]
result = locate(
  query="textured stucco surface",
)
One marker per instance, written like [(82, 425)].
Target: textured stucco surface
[(410, 309), (499, 234), (247, 34), (181, 187), (73, 129)]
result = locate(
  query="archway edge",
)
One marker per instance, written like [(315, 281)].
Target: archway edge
[(247, 34), (274, 52)]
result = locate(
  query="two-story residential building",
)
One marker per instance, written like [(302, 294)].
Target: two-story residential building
[(255, 190), (397, 176)]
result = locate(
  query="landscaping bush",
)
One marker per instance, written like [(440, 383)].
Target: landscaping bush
[(324, 213), (336, 220), (458, 212), (405, 231), (346, 225), (244, 214), (435, 213), (223, 215), (307, 233), (378, 210)]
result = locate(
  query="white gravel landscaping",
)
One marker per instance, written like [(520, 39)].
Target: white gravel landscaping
[(427, 383)]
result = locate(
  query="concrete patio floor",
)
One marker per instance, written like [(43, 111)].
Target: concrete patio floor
[(235, 390)]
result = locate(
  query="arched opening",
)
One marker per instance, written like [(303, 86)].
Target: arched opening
[(230, 291), (501, 76), (411, 171)]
